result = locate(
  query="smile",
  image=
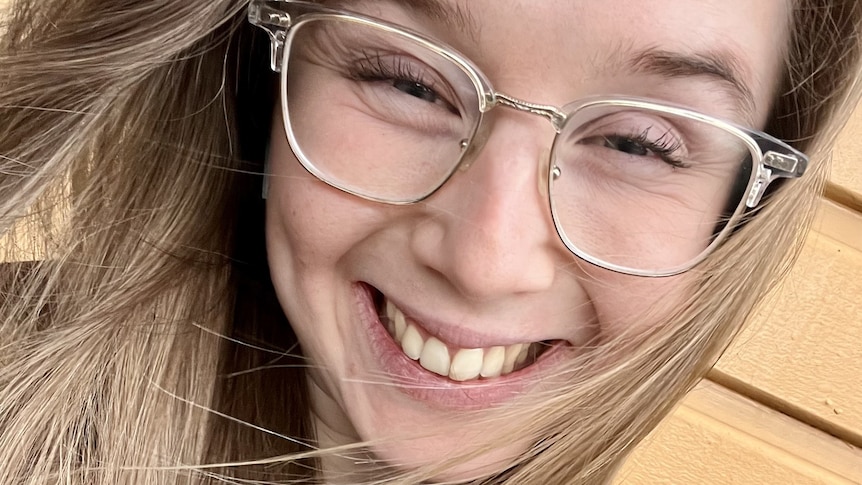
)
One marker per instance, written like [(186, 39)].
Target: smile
[(448, 360), (436, 363)]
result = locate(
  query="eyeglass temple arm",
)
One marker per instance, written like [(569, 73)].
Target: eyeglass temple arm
[(778, 161), (270, 16)]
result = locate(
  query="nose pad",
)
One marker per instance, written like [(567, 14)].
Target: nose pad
[(473, 146)]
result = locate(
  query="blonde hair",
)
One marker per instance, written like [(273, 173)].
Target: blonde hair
[(147, 339)]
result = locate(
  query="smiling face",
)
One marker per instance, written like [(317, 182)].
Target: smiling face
[(474, 283)]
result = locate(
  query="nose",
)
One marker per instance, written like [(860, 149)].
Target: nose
[(490, 233)]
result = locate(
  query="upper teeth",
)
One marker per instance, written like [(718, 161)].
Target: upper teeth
[(460, 364)]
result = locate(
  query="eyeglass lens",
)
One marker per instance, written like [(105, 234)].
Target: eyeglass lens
[(384, 116), (645, 189), (403, 110)]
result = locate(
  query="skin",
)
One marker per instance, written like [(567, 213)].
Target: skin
[(481, 255)]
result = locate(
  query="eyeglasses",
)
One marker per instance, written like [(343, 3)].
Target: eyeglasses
[(387, 114)]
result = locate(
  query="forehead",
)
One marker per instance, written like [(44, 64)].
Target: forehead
[(586, 44), (583, 19)]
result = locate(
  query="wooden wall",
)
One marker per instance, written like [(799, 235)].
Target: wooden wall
[(784, 404)]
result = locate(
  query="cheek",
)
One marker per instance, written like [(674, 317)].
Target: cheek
[(301, 230), (307, 220), (628, 306), (311, 229), (290, 234)]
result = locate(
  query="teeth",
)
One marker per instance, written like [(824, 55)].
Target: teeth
[(467, 364), (397, 325), (435, 357), (492, 366), (412, 343), (522, 356), (400, 325), (512, 353), (463, 364)]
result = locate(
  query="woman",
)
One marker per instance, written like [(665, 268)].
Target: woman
[(498, 241)]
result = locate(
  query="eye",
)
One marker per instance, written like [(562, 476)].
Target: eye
[(406, 75), (667, 147), (416, 89), (626, 145)]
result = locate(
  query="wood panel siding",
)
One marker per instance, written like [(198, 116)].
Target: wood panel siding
[(720, 437)]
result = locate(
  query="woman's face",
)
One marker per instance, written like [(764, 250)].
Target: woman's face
[(479, 265)]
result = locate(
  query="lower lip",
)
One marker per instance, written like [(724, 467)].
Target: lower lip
[(435, 390)]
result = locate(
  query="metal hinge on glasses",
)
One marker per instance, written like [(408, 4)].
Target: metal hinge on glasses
[(775, 165), (275, 23)]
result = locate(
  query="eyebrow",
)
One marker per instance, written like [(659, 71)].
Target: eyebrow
[(721, 66)]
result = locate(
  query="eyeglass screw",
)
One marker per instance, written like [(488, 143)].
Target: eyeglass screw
[(556, 172)]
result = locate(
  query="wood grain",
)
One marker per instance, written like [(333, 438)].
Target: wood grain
[(803, 351), (719, 437), (847, 161)]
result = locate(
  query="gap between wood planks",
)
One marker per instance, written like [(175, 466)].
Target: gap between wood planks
[(789, 409)]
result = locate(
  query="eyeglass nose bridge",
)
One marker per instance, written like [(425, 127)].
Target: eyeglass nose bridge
[(551, 113)]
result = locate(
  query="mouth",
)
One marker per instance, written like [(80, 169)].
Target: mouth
[(463, 365)]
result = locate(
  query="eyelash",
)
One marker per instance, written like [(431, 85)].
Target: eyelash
[(664, 146), (374, 68), (371, 67)]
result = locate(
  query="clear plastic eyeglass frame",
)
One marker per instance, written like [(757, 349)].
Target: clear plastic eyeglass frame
[(771, 158)]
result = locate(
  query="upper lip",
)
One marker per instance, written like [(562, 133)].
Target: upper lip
[(453, 332)]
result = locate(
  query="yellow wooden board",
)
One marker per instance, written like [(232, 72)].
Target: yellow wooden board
[(841, 224), (847, 162), (803, 351), (718, 437)]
